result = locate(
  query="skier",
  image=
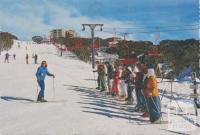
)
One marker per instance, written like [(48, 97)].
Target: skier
[(18, 45), (26, 58), (122, 85), (116, 81), (14, 56), (102, 78), (7, 55), (145, 78), (98, 72), (138, 88), (41, 74), (128, 81), (110, 74), (35, 58), (153, 99)]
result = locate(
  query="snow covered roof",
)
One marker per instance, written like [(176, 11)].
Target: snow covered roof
[(105, 56)]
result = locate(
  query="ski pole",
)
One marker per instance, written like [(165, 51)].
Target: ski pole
[(156, 106), (145, 100), (37, 91), (94, 79), (54, 89)]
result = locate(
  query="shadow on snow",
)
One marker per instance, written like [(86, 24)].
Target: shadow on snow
[(9, 98), (95, 102)]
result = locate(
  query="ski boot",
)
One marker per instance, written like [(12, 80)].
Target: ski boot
[(98, 88), (158, 121), (145, 115), (102, 90), (39, 98), (43, 100)]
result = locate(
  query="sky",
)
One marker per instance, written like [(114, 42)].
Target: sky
[(141, 19)]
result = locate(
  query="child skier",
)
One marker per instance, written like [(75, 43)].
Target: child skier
[(41, 74)]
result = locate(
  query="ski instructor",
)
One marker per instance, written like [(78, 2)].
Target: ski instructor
[(41, 74)]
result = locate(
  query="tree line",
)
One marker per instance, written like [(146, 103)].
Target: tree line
[(6, 41), (181, 53)]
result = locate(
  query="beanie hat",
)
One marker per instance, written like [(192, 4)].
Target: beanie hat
[(151, 72)]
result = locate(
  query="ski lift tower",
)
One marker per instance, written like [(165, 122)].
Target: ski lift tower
[(92, 28)]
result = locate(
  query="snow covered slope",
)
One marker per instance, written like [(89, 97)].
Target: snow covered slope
[(77, 109)]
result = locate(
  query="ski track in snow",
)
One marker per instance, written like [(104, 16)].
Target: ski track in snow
[(78, 109)]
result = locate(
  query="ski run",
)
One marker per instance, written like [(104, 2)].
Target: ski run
[(75, 106)]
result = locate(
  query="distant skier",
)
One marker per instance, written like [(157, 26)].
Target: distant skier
[(27, 58), (7, 55), (41, 73), (18, 45), (35, 58), (14, 56)]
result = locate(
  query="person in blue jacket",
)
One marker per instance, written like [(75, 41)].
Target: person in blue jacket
[(41, 73)]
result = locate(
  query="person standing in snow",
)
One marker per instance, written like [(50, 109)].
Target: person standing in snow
[(116, 81), (129, 81), (41, 73), (35, 58), (98, 71), (26, 58), (14, 56), (153, 99), (102, 78), (7, 55), (138, 88), (110, 74)]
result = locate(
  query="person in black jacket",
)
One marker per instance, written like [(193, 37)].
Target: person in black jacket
[(35, 58), (138, 89), (128, 80)]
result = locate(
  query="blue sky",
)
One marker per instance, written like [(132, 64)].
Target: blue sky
[(143, 19)]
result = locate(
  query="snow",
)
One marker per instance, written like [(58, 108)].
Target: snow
[(77, 109)]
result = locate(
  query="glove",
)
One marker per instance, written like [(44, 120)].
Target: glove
[(53, 76)]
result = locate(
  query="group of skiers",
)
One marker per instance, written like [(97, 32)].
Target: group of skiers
[(34, 56), (120, 80), (7, 56)]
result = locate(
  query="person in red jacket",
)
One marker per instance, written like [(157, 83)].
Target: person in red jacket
[(116, 81)]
